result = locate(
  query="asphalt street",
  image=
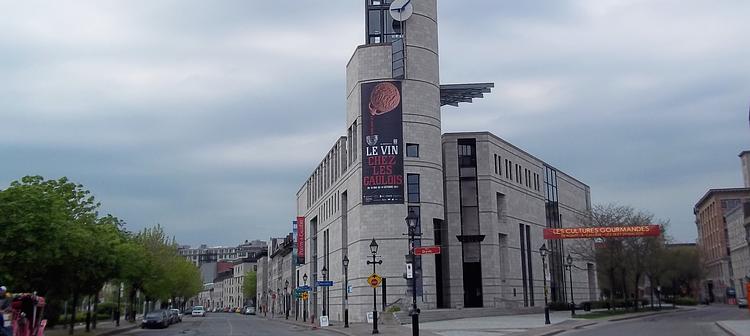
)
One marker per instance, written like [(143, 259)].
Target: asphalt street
[(228, 324), (699, 322)]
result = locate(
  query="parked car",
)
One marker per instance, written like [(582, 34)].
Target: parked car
[(238, 310), (156, 318), (198, 311), (176, 315), (226, 309), (742, 303), (249, 310)]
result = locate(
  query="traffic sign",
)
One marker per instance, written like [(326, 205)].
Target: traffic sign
[(427, 250), (304, 288), (374, 280), (327, 283), (305, 295)]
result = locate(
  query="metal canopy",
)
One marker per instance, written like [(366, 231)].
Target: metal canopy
[(453, 94)]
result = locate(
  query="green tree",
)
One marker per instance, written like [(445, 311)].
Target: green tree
[(250, 285)]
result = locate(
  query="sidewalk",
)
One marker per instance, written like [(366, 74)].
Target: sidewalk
[(354, 328), (515, 325), (103, 328), (735, 328)]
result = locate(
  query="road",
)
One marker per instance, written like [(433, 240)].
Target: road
[(227, 324), (699, 322)]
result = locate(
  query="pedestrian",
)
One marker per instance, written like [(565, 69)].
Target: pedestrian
[(5, 316)]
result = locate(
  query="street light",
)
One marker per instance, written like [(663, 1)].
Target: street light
[(411, 222), (304, 305), (569, 266), (286, 297), (324, 271), (345, 263), (374, 251), (543, 252)]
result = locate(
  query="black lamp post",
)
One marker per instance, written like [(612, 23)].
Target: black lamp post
[(569, 266), (324, 271), (286, 296), (374, 251), (543, 252), (411, 223), (304, 303), (345, 263)]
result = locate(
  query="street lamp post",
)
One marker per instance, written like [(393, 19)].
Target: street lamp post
[(374, 251), (569, 266), (325, 278), (304, 302), (345, 263), (543, 252), (411, 222), (286, 298)]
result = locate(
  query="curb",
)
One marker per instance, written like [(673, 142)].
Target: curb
[(118, 330), (640, 315), (726, 329)]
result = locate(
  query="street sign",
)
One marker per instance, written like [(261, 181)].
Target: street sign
[(409, 271), (374, 280), (427, 250), (327, 283), (305, 295), (304, 288), (350, 289), (324, 321)]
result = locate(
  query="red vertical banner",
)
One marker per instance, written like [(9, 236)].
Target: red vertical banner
[(300, 240)]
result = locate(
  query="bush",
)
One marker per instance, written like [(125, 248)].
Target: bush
[(106, 308), (559, 306), (393, 309), (686, 301)]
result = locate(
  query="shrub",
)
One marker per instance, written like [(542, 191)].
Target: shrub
[(686, 301)]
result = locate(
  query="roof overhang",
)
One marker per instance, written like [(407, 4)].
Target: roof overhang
[(453, 94)]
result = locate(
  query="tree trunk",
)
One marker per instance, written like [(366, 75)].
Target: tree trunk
[(73, 312), (131, 306), (612, 288), (651, 284), (636, 296), (624, 288), (96, 303), (88, 314)]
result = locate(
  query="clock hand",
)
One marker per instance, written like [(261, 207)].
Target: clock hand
[(404, 6)]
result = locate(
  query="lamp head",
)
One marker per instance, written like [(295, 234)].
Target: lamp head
[(304, 277), (569, 260), (543, 250), (324, 271), (411, 219), (373, 246), (345, 261), (286, 284)]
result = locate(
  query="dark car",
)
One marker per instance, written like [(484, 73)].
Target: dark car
[(156, 318), (175, 316)]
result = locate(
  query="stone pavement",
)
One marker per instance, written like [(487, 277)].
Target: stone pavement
[(510, 325), (103, 328), (735, 328)]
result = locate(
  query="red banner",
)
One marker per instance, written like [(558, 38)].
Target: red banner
[(603, 232), (300, 240)]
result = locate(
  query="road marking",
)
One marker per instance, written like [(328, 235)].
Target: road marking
[(231, 330)]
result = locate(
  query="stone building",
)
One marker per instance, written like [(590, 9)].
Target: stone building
[(481, 199)]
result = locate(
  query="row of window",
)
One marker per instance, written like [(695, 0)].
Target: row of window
[(333, 166), (329, 207), (524, 176)]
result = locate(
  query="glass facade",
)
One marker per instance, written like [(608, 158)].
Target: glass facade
[(381, 28), (556, 256)]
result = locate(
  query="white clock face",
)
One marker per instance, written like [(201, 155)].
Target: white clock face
[(401, 10)]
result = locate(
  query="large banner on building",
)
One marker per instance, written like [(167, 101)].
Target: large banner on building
[(300, 240), (603, 232), (382, 141)]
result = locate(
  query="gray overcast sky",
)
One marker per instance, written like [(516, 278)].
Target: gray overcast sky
[(207, 116)]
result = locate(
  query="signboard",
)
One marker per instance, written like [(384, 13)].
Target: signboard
[(349, 289), (409, 271), (427, 250), (305, 295), (369, 317), (603, 232), (374, 280), (382, 141), (304, 288), (324, 321), (327, 283), (300, 240)]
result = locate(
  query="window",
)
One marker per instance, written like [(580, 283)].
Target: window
[(412, 188), (495, 163), (412, 150)]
